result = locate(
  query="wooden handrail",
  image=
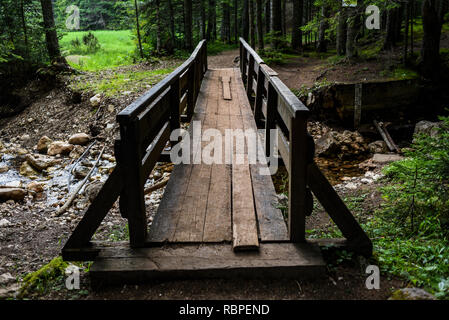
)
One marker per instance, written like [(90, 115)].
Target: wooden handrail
[(144, 101)]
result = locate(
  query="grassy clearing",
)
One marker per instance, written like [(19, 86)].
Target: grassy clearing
[(116, 49), (113, 84)]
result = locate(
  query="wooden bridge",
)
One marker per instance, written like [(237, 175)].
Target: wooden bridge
[(219, 219)]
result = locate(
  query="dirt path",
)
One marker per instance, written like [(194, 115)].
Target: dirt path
[(223, 60)]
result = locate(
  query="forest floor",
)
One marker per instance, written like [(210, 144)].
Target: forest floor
[(32, 236)]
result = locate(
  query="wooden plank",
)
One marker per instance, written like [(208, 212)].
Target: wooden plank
[(244, 225), (277, 261), (97, 211), (271, 223), (226, 84), (337, 209)]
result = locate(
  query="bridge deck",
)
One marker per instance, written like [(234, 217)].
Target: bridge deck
[(219, 202)]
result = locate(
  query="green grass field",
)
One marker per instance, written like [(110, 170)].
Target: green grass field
[(117, 49)]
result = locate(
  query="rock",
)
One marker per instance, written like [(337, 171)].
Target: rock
[(351, 186), (95, 100), (79, 139), (59, 147), (9, 292), (81, 172), (3, 167), (6, 279), (35, 187), (109, 127), (327, 145), (111, 108), (411, 294), (92, 189), (76, 152), (386, 158), (427, 127), (25, 137), (43, 144), (27, 171), (4, 223), (40, 162), (15, 194), (378, 147)]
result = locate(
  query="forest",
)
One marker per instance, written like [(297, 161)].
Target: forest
[(373, 74)]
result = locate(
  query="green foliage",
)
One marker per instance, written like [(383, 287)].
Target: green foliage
[(272, 56), (40, 280), (112, 84), (116, 48), (411, 230)]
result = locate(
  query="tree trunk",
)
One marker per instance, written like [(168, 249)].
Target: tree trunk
[(236, 23), (245, 20), (351, 33), (284, 17), (322, 42), (297, 23), (203, 19), (276, 12), (259, 23), (430, 52), (24, 27), (226, 22), (211, 21), (252, 31), (172, 23), (267, 16), (407, 18), (188, 24), (341, 32), (158, 26), (51, 36), (390, 34)]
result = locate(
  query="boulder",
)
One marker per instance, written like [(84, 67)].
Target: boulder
[(76, 152), (411, 294), (43, 144), (81, 172), (327, 145), (15, 194), (40, 162), (3, 167), (427, 127), (35, 187), (59, 147), (378, 147), (92, 189), (27, 171), (80, 139), (386, 158), (95, 100)]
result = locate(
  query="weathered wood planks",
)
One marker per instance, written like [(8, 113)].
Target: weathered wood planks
[(281, 260)]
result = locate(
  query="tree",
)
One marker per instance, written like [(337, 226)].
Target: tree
[(430, 52), (297, 24), (341, 32), (245, 20), (259, 10), (211, 21), (276, 21), (138, 28), (252, 31), (188, 35), (51, 36), (322, 42)]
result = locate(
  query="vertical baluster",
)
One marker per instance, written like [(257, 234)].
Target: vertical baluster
[(297, 180)]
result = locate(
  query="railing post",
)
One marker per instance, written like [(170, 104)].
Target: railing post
[(259, 95), (132, 200), (298, 162), (270, 121), (249, 81), (174, 104), (190, 93)]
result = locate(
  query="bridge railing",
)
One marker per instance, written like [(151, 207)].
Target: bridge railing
[(145, 128), (276, 107)]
